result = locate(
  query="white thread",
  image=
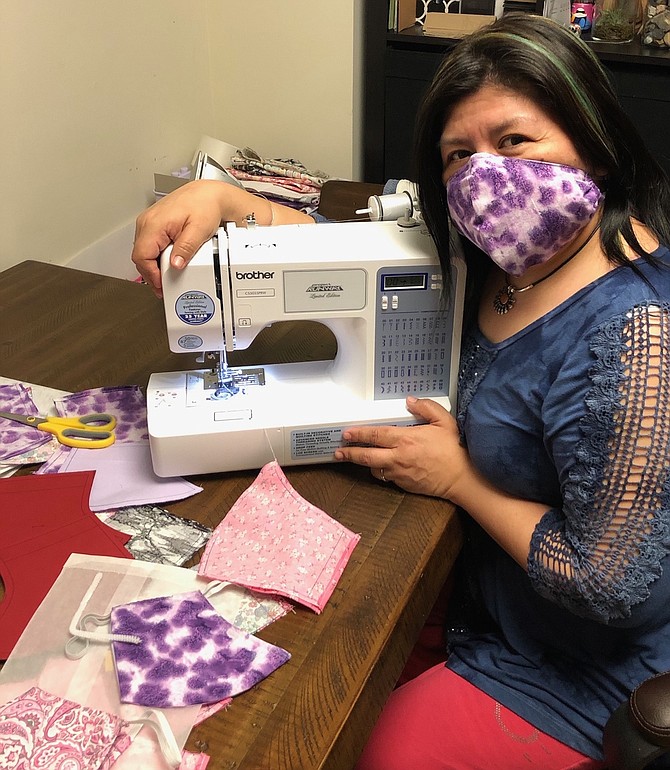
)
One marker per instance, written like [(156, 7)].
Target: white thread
[(274, 456)]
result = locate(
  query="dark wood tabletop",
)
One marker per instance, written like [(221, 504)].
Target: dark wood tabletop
[(74, 330)]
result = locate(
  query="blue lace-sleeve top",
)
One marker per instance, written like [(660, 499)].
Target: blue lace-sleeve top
[(573, 411)]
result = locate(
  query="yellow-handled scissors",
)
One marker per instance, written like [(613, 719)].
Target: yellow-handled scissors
[(90, 431)]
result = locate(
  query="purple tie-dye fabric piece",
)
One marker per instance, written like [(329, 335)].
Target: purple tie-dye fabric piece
[(126, 403), (123, 475), (188, 654), (16, 439), (520, 212)]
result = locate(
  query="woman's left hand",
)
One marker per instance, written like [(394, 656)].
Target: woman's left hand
[(426, 459)]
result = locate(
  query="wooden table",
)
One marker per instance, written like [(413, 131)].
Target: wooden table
[(73, 330)]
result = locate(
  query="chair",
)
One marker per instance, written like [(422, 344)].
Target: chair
[(340, 198), (639, 730)]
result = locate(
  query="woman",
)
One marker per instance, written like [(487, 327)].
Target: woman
[(559, 453)]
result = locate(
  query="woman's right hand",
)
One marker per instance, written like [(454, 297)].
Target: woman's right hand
[(191, 215), (186, 218)]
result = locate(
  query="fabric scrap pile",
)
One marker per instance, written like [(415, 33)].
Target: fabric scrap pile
[(283, 181), (82, 589)]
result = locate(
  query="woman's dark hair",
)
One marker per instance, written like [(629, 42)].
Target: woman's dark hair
[(550, 65)]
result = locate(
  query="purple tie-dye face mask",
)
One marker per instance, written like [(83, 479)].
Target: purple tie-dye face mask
[(520, 212), (185, 653)]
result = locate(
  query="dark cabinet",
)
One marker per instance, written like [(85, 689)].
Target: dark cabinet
[(400, 66), (644, 93), (406, 78)]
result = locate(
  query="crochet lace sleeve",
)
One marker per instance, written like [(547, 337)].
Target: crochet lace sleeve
[(599, 555)]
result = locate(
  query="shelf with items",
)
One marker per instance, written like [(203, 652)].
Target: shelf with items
[(400, 65)]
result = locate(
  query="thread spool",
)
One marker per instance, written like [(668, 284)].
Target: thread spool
[(389, 207)]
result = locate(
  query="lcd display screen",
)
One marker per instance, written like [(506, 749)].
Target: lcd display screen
[(404, 281)]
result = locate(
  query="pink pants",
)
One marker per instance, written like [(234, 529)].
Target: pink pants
[(438, 721)]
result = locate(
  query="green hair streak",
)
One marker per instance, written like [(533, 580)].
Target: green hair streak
[(594, 119)]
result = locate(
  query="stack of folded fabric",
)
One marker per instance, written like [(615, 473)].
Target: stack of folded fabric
[(284, 181)]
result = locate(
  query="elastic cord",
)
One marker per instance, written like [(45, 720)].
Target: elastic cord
[(214, 587), (166, 740), (78, 645), (521, 289)]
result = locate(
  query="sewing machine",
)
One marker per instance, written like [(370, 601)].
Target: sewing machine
[(376, 285)]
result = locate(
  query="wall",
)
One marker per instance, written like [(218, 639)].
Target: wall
[(95, 95), (98, 95), (285, 81)]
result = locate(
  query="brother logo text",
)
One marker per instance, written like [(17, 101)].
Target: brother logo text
[(253, 275)]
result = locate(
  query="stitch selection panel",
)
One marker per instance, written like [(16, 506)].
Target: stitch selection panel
[(412, 334)]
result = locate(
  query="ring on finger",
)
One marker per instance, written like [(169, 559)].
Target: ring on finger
[(382, 476)]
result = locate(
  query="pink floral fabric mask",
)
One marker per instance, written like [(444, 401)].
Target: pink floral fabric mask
[(520, 212), (273, 540)]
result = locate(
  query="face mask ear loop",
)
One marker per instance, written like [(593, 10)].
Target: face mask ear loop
[(77, 646), (213, 588), (166, 740)]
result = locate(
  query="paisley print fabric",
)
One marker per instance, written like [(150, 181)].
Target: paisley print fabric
[(41, 730), (520, 212)]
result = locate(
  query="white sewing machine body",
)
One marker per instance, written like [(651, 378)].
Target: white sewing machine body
[(376, 285)]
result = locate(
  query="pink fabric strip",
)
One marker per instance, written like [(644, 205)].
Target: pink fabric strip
[(191, 761)]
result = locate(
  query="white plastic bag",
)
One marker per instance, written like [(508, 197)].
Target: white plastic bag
[(39, 656)]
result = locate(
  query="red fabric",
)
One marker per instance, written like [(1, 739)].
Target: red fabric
[(438, 721), (44, 519)]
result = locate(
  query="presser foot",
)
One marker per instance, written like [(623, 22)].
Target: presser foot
[(223, 386)]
